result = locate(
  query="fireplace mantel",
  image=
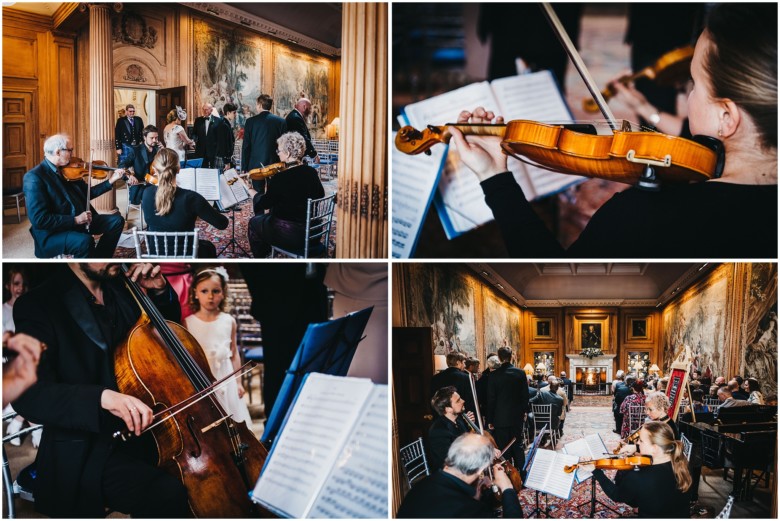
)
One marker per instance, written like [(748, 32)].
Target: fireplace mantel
[(605, 360)]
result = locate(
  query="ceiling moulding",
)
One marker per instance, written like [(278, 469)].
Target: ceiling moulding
[(558, 269), (486, 273), (684, 281), (593, 303), (620, 268), (255, 23)]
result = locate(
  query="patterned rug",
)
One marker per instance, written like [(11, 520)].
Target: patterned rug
[(591, 400), (221, 238)]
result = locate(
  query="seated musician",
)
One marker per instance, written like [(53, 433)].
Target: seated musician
[(452, 491), (734, 100), (286, 198), (448, 425), (58, 211), (657, 404), (168, 208), (137, 162), (83, 312), (659, 490)]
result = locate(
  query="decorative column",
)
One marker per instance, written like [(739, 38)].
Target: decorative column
[(362, 171), (101, 90)]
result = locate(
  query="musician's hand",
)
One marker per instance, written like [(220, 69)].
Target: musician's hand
[(135, 413), (482, 154), (317, 159), (148, 276), (132, 180), (470, 416), (21, 372), (500, 478), (119, 152), (496, 453), (631, 98), (84, 218), (628, 450), (116, 175), (589, 467)]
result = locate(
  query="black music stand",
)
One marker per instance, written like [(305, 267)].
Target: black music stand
[(232, 241), (537, 511), (593, 500)]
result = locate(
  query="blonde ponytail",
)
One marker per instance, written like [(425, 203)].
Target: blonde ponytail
[(166, 166), (663, 436)]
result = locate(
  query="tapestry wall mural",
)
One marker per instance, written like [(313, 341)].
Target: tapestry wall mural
[(502, 324), (442, 297), (228, 68), (760, 353), (298, 75), (699, 319)]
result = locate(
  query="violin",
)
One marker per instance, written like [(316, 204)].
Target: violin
[(631, 439), (666, 71), (256, 174), (632, 462), (78, 169), (579, 149)]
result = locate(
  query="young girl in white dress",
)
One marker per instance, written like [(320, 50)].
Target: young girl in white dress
[(215, 331)]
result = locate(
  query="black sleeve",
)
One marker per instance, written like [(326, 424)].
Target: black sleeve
[(267, 200), (117, 140), (246, 147), (624, 492), (439, 442), (207, 212), (511, 504), (524, 233), (129, 159)]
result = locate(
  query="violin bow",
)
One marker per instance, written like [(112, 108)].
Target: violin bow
[(89, 180), (579, 64)]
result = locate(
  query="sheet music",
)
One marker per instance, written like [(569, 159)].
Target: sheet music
[(205, 181), (547, 475), (231, 194), (357, 487), (414, 181), (590, 447), (324, 412)]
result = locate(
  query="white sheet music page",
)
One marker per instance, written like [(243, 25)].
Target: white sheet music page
[(357, 486), (207, 183), (414, 180), (547, 475), (317, 427), (186, 179), (588, 448), (536, 97)]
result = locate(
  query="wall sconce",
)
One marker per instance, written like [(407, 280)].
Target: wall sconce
[(654, 369), (529, 369), (439, 363), (332, 130)]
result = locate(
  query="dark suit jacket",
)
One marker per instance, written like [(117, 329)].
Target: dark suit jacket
[(569, 389), (50, 210), (73, 372), (440, 436), (545, 397), (140, 159), (507, 396), (455, 377), (260, 135), (125, 134), (444, 496), (622, 391), (217, 143), (296, 123)]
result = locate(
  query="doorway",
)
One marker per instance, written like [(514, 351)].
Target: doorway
[(142, 100)]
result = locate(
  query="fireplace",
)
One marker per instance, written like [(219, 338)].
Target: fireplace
[(591, 378)]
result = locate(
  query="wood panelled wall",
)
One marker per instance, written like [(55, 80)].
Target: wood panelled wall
[(46, 74)]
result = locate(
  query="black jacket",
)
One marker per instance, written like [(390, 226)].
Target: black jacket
[(72, 375), (260, 135), (140, 159), (126, 134), (218, 142), (452, 376), (507, 396), (440, 436), (296, 123)]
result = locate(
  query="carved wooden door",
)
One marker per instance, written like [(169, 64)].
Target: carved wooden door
[(19, 142)]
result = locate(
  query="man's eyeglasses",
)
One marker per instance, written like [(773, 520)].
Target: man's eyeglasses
[(67, 150)]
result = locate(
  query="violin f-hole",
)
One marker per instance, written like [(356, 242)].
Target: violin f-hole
[(193, 433)]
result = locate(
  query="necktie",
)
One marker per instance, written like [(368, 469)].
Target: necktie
[(132, 122)]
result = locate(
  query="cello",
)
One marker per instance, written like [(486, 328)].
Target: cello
[(217, 459)]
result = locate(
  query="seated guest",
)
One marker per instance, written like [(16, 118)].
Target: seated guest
[(287, 199), (451, 492), (60, 222), (659, 490), (697, 397), (137, 163), (637, 397), (171, 209), (549, 395), (735, 386), (727, 399), (447, 426), (771, 399), (751, 386)]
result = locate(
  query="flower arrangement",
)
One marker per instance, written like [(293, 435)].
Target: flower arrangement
[(591, 352)]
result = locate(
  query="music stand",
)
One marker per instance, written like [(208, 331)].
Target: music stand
[(232, 241), (326, 347), (537, 511), (593, 500)]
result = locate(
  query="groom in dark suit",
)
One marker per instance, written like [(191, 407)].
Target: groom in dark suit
[(260, 135)]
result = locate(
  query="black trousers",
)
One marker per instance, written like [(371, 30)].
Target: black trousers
[(81, 244), (503, 435), (137, 488), (266, 230)]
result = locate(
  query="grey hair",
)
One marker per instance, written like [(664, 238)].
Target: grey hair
[(493, 363), (470, 453), (292, 143), (658, 400), (620, 374), (55, 143)]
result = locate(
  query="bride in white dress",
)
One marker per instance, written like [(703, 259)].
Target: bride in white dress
[(215, 331)]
